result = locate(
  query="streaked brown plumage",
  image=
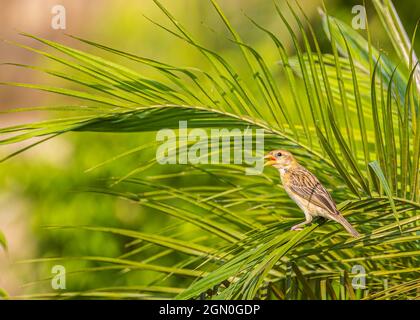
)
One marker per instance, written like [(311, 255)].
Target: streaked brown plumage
[(306, 190)]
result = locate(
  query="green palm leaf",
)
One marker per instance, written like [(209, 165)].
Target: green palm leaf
[(230, 233)]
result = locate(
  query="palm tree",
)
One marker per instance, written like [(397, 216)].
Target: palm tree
[(351, 116)]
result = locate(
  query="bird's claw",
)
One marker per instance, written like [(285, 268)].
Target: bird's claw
[(296, 228)]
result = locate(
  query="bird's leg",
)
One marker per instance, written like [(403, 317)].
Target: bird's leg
[(300, 225)]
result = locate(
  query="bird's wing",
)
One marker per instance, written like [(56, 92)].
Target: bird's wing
[(307, 186)]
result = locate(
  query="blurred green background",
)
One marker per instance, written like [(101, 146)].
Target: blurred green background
[(47, 185)]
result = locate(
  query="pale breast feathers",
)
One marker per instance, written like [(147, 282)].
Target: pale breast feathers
[(308, 187)]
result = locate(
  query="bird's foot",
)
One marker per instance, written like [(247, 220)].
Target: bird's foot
[(296, 228)]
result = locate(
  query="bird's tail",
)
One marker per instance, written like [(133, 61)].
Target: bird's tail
[(340, 219)]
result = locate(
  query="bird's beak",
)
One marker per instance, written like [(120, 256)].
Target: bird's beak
[(271, 160)]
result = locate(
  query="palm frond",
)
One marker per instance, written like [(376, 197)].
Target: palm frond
[(233, 238)]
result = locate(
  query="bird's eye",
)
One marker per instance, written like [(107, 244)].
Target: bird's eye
[(278, 154)]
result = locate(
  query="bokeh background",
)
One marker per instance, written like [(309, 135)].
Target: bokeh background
[(47, 185)]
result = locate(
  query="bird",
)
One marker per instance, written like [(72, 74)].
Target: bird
[(304, 188)]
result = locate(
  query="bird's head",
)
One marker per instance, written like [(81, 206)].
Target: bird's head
[(279, 159)]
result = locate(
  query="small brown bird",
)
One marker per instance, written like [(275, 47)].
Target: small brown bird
[(306, 190)]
